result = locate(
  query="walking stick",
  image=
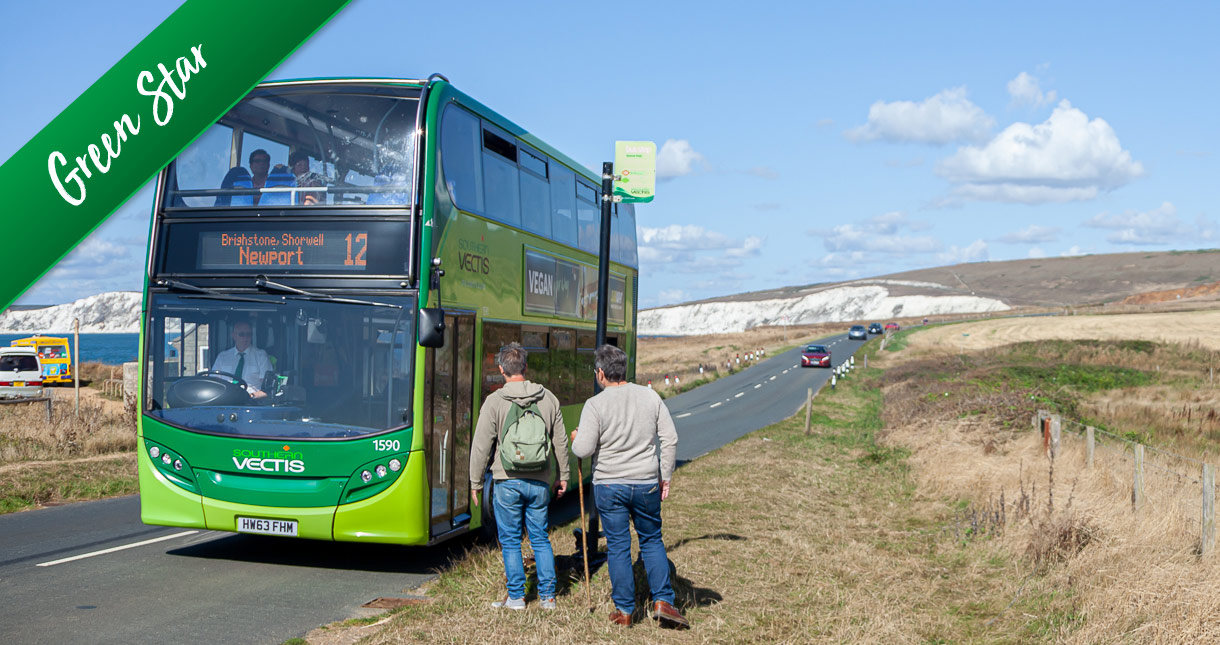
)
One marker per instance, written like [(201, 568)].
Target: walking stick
[(584, 531)]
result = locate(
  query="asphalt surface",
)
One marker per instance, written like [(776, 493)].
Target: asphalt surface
[(733, 406), (92, 572)]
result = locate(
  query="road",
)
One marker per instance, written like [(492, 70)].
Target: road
[(733, 406), (92, 572)]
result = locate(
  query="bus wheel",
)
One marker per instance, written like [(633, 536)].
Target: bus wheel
[(487, 530)]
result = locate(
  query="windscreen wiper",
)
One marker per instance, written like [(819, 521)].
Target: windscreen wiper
[(201, 292), (300, 294), (263, 283), (320, 297)]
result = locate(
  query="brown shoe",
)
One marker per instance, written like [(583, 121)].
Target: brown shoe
[(668, 616), (619, 618)]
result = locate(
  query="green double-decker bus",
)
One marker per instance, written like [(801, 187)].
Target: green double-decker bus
[(333, 267)]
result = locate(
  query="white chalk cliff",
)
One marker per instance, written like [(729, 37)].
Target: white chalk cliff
[(115, 312), (836, 304)]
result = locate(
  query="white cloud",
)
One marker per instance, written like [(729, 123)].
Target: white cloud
[(1035, 253), (1032, 234), (944, 118), (694, 249), (1026, 90), (1160, 225), (677, 158), (879, 234), (1066, 158), (975, 252), (1074, 250)]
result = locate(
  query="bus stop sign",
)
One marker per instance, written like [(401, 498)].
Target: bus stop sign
[(635, 169)]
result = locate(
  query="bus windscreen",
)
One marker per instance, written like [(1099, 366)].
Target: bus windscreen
[(297, 368), (295, 147)]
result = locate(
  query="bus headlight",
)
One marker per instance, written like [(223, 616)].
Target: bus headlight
[(395, 465), (380, 470), (154, 452), (177, 464), (366, 476), (165, 459)]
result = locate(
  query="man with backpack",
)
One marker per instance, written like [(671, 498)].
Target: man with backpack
[(520, 427)]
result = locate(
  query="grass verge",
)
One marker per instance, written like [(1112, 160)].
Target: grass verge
[(33, 484), (778, 537)]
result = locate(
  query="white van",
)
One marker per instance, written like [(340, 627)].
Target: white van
[(20, 373)]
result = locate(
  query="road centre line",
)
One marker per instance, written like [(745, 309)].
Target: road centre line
[(739, 394), (116, 548), (758, 386), (772, 378), (785, 371), (718, 403), (683, 415)]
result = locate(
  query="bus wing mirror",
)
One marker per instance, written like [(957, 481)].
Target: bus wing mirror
[(432, 327)]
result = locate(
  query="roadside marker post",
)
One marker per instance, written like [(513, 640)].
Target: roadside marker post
[(808, 410), (1137, 488), (1208, 541)]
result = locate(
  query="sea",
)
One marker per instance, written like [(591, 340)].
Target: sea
[(110, 349)]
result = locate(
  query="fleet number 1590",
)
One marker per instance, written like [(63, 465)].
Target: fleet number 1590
[(383, 445)]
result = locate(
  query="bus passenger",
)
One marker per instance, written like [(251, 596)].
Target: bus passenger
[(244, 360), (618, 427), (299, 163), (519, 496)]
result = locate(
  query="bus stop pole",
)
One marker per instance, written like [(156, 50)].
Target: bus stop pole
[(603, 259)]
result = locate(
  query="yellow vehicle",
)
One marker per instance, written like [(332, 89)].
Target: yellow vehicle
[(54, 355)]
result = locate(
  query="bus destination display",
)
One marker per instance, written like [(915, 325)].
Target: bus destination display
[(341, 250)]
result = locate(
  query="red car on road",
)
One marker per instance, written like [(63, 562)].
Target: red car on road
[(891, 327), (815, 356)]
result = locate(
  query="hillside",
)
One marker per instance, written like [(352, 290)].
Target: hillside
[(105, 313), (964, 288)]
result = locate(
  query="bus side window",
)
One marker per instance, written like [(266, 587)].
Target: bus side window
[(460, 159)]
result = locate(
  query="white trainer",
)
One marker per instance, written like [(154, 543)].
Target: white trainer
[(516, 604)]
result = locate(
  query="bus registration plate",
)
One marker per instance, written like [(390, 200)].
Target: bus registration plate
[(267, 527)]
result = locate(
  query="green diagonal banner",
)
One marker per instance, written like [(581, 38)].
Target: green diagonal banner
[(141, 113)]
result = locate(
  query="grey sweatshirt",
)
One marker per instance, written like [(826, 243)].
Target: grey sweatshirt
[(495, 409), (619, 426)]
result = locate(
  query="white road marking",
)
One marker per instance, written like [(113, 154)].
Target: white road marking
[(772, 378), (785, 371), (116, 548), (717, 403), (739, 394), (683, 415), (794, 367), (758, 386)]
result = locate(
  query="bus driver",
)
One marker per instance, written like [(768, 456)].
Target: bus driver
[(244, 360)]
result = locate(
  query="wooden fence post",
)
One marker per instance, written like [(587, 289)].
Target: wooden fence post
[(808, 410), (1054, 436), (1208, 543), (1089, 442), (1137, 489), (866, 361)]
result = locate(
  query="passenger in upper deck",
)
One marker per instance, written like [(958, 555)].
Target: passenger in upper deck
[(299, 163), (238, 177)]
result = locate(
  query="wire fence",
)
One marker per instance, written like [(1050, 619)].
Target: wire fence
[(1180, 488)]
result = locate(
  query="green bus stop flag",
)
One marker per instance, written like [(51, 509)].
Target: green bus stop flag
[(635, 167), (141, 113)]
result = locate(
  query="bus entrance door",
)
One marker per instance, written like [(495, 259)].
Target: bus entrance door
[(449, 423)]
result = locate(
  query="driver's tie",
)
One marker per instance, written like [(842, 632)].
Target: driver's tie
[(241, 364)]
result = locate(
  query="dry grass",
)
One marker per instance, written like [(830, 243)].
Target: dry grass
[(832, 544), (69, 458)]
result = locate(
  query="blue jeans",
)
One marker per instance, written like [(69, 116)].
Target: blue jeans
[(620, 505), (517, 501)]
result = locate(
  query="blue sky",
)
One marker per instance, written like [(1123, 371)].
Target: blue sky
[(799, 142)]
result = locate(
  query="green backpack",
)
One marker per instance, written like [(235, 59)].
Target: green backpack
[(524, 444)]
